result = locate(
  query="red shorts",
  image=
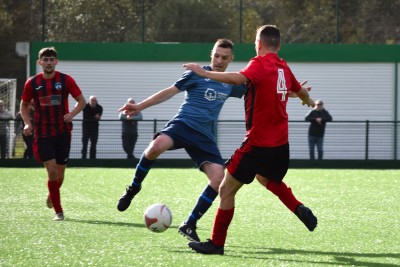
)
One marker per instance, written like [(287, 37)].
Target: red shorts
[(55, 147), (270, 162)]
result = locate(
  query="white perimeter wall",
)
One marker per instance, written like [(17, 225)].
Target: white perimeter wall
[(350, 91)]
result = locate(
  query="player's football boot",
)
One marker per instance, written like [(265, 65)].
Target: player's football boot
[(206, 247), (189, 231), (59, 217), (126, 198), (306, 216)]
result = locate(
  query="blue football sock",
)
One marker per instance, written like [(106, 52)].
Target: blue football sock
[(203, 204), (142, 169)]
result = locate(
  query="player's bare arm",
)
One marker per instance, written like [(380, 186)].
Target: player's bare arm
[(25, 114), (293, 94), (224, 77), (80, 104), (305, 97), (130, 109)]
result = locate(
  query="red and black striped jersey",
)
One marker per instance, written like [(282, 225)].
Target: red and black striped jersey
[(50, 98)]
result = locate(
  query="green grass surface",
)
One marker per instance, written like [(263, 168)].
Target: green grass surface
[(358, 213)]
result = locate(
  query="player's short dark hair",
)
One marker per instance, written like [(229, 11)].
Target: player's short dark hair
[(269, 35), (224, 43), (47, 52)]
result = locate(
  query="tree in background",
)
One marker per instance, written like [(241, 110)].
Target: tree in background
[(302, 21)]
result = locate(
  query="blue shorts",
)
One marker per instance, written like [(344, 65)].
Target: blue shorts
[(55, 147), (199, 147)]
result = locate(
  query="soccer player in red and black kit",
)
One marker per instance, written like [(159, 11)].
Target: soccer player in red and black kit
[(264, 153), (53, 121)]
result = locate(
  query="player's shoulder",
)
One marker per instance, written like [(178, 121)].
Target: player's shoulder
[(32, 78), (62, 74)]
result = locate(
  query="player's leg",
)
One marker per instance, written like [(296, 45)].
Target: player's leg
[(240, 170), (215, 174), (223, 218), (45, 151), (271, 176), (159, 145), (60, 180), (53, 187), (205, 153), (282, 191), (61, 146)]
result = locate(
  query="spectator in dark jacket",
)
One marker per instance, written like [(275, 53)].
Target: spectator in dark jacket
[(318, 118), (130, 131), (90, 126)]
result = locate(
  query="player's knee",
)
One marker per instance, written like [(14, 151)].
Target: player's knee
[(153, 151), (225, 195), (216, 180)]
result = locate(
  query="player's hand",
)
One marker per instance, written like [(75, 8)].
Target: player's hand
[(196, 68), (68, 118), (309, 103), (129, 109), (27, 131), (308, 88)]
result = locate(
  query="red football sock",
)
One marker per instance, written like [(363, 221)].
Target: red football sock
[(60, 182), (284, 193), (221, 223), (54, 192)]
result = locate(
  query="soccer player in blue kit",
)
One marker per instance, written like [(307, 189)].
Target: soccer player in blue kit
[(192, 128)]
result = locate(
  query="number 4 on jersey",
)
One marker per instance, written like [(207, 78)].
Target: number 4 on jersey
[(281, 86)]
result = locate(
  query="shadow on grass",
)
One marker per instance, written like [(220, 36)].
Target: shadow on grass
[(338, 258), (137, 225), (341, 258)]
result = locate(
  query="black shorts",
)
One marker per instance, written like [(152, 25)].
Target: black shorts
[(55, 147), (270, 162)]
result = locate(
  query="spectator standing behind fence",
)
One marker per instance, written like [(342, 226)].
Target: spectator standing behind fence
[(90, 126), (318, 117), (28, 139), (130, 130), (5, 117)]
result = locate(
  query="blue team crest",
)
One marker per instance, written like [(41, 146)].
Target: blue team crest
[(58, 86)]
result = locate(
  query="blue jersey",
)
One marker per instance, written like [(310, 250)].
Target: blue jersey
[(203, 101)]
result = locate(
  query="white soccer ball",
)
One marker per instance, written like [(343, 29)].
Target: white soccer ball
[(158, 218)]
